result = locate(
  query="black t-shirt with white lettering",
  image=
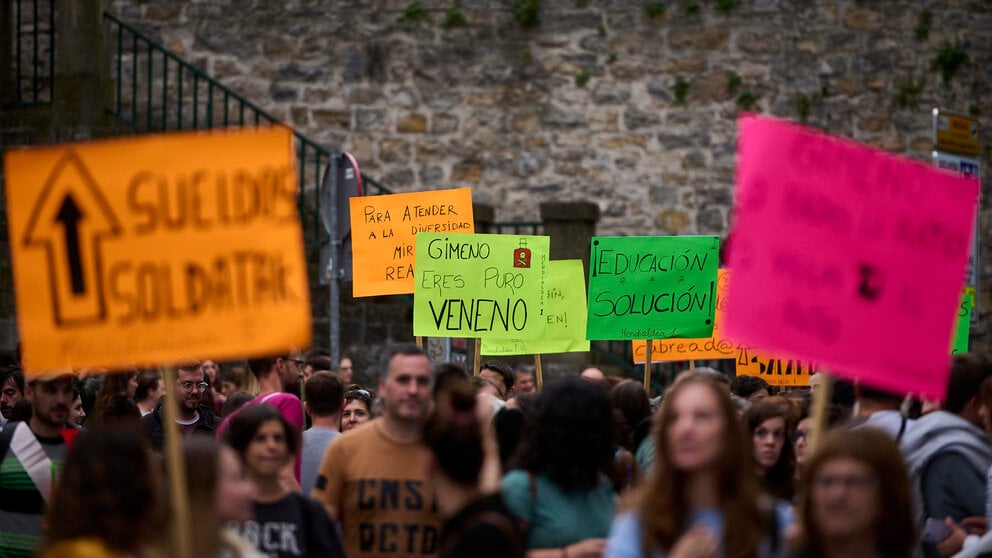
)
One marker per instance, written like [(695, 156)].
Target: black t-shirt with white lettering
[(293, 527)]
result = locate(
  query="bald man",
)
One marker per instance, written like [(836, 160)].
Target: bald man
[(593, 374)]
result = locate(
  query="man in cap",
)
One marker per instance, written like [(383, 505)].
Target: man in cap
[(32, 453)]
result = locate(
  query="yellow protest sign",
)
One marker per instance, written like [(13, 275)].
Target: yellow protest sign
[(383, 237), (481, 285), (143, 251), (564, 316), (715, 347)]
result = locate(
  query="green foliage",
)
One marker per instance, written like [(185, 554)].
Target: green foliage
[(692, 7), (611, 58), (908, 91), (949, 60), (726, 6), (414, 13), (655, 9), (581, 3), (746, 100), (734, 82), (601, 30), (803, 103), (453, 17), (922, 30), (582, 78), (527, 13), (527, 56), (680, 90)]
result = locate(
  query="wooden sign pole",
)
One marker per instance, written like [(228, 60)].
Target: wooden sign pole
[(821, 406), (477, 361), (538, 372), (647, 366), (182, 526), (420, 342)]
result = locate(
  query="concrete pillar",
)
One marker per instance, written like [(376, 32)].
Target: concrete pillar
[(82, 74), (484, 215), (571, 226)]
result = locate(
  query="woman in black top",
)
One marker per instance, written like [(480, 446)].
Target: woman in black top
[(286, 524)]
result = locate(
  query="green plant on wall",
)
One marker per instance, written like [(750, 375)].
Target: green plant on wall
[(907, 91), (949, 60), (803, 104), (655, 9), (581, 3), (582, 77), (734, 82), (746, 100), (692, 7), (922, 30), (680, 89), (726, 6), (414, 13), (453, 17), (527, 13)]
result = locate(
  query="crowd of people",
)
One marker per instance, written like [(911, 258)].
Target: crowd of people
[(286, 456)]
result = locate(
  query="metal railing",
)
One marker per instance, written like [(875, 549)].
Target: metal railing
[(34, 51), (514, 227)]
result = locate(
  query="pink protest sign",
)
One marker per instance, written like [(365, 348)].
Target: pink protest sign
[(847, 255)]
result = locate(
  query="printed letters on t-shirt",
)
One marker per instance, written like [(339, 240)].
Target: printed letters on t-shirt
[(385, 497), (273, 537)]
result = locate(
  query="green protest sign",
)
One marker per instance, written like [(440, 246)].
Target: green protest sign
[(652, 287), (962, 327), (480, 285), (564, 316)]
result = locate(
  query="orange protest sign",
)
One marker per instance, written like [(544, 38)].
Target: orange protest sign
[(715, 347), (775, 371), (383, 230), (147, 250)]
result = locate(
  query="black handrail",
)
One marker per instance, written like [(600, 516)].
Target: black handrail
[(33, 86)]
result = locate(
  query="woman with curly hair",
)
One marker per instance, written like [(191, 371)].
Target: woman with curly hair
[(357, 409), (701, 497), (559, 488)]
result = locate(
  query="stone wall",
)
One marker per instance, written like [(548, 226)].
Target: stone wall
[(605, 101)]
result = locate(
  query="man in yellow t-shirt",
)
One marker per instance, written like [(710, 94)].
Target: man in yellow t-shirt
[(373, 479)]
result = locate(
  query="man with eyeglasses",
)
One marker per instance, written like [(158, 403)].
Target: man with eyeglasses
[(193, 415)]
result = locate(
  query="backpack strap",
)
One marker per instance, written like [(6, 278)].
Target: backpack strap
[(33, 458), (902, 429)]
